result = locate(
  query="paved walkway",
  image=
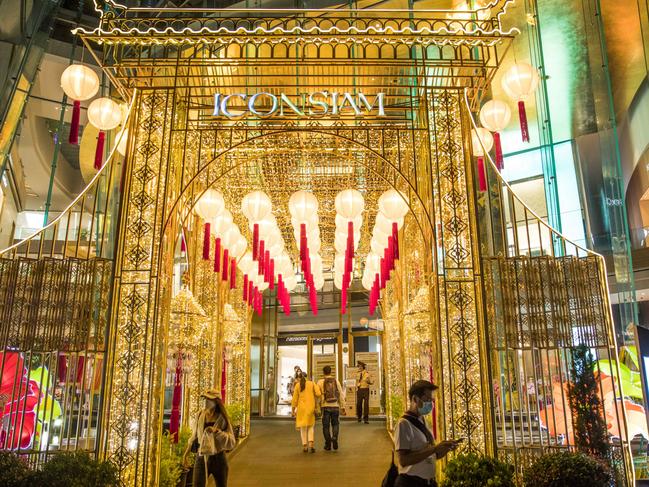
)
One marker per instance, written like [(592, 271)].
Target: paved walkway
[(273, 456)]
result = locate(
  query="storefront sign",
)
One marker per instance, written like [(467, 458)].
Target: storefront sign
[(318, 104)]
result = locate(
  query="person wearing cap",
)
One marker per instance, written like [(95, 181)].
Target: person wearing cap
[(212, 437), (363, 393), (414, 442)]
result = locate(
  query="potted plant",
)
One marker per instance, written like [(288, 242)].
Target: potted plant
[(472, 470), (237, 413), (567, 468)]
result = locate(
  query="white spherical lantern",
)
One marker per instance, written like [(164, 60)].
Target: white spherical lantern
[(384, 224), (316, 262), (246, 263), (367, 281), (314, 245), (318, 282), (340, 244), (210, 205), (221, 223), (290, 283), (230, 237), (372, 263), (104, 114), (302, 205), (239, 247), (341, 222), (79, 82), (349, 203), (495, 115), (520, 81), (338, 281), (481, 135), (256, 206), (262, 286), (393, 204), (377, 246)]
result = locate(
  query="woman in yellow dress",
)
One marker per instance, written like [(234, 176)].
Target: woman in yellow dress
[(303, 409)]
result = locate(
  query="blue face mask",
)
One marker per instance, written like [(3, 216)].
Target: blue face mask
[(426, 408)]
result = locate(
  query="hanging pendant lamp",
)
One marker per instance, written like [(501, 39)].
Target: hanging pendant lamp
[(79, 83), (520, 82), (495, 116), (105, 115)]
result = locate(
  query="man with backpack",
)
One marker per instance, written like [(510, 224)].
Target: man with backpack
[(414, 443), (330, 400)]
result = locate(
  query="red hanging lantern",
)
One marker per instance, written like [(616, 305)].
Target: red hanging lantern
[(224, 273), (217, 255), (206, 241)]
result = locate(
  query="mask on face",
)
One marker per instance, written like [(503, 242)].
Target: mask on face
[(426, 408), (210, 403)]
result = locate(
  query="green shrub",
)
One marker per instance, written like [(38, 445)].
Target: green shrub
[(14, 471), (171, 458), (77, 469), (567, 468), (396, 407), (471, 470)]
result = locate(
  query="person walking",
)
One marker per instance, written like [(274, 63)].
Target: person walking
[(303, 409), (364, 382), (211, 439), (331, 400), (414, 442)]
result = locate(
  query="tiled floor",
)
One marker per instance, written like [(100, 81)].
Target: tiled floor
[(273, 456)]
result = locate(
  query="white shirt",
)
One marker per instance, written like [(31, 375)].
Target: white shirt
[(408, 437)]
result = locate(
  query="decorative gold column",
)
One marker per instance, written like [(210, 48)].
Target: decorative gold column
[(462, 359), (137, 351)]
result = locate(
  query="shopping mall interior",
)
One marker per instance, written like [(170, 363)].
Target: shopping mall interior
[(208, 199)]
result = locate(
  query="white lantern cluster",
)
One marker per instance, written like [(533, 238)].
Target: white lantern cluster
[(268, 260), (350, 205), (229, 243), (380, 261), (81, 83), (303, 207)]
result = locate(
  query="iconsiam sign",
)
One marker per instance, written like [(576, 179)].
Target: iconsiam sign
[(319, 104)]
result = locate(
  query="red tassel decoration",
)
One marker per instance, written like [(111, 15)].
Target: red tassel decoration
[(183, 245), (302, 241), (522, 118), (250, 287), (267, 266), (233, 273), (271, 274), (245, 288), (255, 241), (99, 150), (395, 239), (217, 255), (260, 258), (482, 177), (224, 273), (498, 148), (74, 124), (206, 241)]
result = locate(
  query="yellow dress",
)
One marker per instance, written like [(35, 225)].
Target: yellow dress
[(304, 401)]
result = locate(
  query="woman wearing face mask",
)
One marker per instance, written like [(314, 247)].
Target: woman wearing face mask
[(303, 408), (414, 443), (212, 438)]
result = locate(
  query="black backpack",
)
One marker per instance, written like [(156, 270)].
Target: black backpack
[(330, 390)]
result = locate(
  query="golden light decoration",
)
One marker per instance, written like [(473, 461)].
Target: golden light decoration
[(187, 321)]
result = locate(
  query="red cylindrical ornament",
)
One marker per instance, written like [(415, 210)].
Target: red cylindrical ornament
[(255, 241), (482, 177), (250, 291), (217, 255), (395, 238), (233, 273), (74, 123), (245, 287), (206, 241), (260, 257), (99, 150), (224, 273), (302, 241), (271, 274), (498, 148), (522, 118)]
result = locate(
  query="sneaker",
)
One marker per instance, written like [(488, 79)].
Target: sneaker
[(305, 449), (359, 420), (312, 450), (367, 421), (327, 446), (335, 442)]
